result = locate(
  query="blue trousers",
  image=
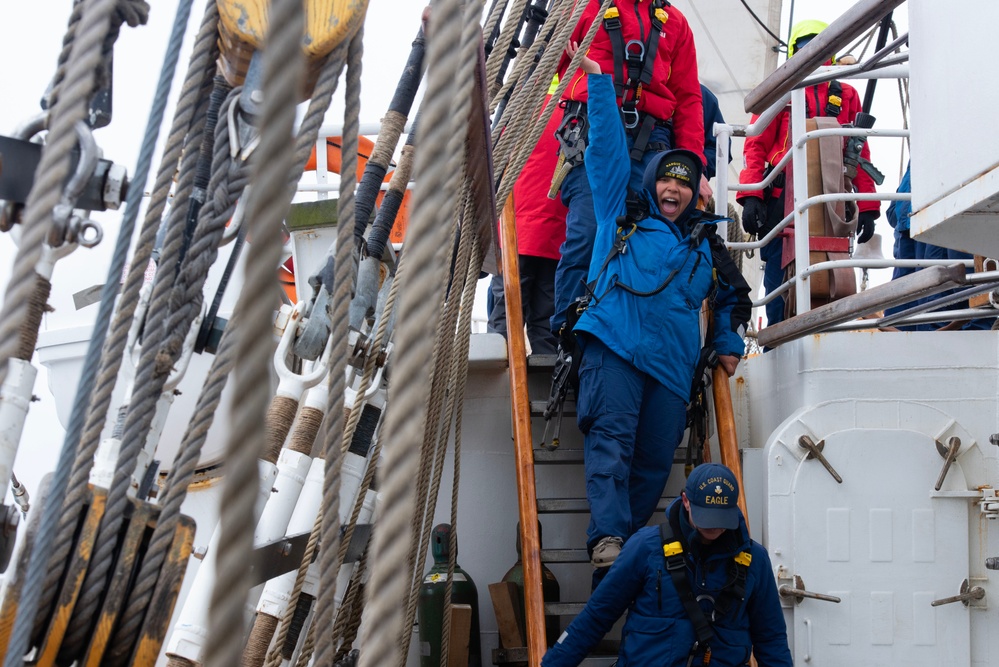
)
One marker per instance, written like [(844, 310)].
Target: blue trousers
[(907, 248), (773, 276), (632, 425), (581, 227)]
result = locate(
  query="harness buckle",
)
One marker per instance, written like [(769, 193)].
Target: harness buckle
[(631, 55), (631, 118)]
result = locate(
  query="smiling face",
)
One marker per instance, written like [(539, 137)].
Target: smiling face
[(673, 196)]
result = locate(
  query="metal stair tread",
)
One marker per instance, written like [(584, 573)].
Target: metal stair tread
[(564, 556), (538, 407), (580, 505), (574, 455)]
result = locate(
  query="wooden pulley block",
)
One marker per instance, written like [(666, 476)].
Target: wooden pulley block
[(243, 28)]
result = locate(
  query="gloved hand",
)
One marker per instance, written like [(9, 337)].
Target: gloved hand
[(754, 214), (865, 226)]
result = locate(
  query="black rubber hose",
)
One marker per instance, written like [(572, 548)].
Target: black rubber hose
[(402, 103), (387, 212)]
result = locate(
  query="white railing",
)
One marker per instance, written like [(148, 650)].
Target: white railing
[(797, 157)]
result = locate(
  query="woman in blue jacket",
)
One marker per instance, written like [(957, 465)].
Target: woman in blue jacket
[(728, 576), (656, 258)]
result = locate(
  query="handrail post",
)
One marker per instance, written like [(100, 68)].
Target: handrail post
[(530, 540), (802, 292), (722, 134)]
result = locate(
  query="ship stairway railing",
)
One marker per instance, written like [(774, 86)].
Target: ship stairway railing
[(786, 85)]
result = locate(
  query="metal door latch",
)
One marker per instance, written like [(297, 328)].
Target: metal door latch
[(798, 593), (949, 454), (815, 452), (967, 594)]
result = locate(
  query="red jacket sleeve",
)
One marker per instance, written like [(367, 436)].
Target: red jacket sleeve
[(756, 152), (688, 117)]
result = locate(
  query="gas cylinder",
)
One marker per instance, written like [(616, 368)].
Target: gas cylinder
[(430, 612), (550, 591)]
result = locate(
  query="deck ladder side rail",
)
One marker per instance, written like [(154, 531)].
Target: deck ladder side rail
[(534, 612)]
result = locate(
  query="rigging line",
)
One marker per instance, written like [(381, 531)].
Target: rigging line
[(762, 24), (99, 396), (44, 196)]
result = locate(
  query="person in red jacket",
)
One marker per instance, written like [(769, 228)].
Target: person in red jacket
[(540, 225), (762, 211), (648, 47)]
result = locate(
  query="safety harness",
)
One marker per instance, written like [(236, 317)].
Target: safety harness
[(634, 62), (734, 591)]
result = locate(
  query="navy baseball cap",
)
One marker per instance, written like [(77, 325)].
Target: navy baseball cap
[(713, 493)]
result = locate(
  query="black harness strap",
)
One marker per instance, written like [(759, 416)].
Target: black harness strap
[(677, 567), (834, 99), (735, 591), (612, 24)]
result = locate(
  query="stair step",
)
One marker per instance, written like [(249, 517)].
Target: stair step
[(564, 608), (579, 505), (574, 455), (564, 556), (541, 363), (538, 408)]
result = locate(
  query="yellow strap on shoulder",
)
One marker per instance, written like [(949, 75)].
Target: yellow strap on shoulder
[(672, 549), (612, 13), (744, 558), (554, 85), (661, 15)]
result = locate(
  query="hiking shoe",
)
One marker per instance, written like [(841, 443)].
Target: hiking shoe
[(606, 551)]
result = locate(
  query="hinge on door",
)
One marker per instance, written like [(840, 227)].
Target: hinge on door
[(990, 503)]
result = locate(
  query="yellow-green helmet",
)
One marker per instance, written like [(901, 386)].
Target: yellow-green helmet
[(806, 28)]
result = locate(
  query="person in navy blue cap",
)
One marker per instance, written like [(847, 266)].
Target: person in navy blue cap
[(697, 589)]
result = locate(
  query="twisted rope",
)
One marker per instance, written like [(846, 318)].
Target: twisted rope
[(177, 482), (495, 14), (435, 195), (510, 29), (159, 352), (45, 194), (343, 283), (85, 445), (284, 70), (512, 171), (353, 604), (326, 85), (434, 449)]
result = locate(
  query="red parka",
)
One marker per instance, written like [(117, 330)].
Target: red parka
[(771, 146), (674, 91), (540, 220)]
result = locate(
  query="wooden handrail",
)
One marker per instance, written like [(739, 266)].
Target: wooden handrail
[(527, 500), (728, 441)]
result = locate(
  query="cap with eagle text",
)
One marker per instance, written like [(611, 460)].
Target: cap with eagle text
[(713, 493)]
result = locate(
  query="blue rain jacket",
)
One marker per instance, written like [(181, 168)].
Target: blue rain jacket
[(659, 334), (658, 631)]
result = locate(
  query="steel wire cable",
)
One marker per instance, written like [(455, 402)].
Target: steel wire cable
[(268, 202), (85, 445), (436, 167), (46, 193), (175, 492), (343, 282), (167, 313)]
